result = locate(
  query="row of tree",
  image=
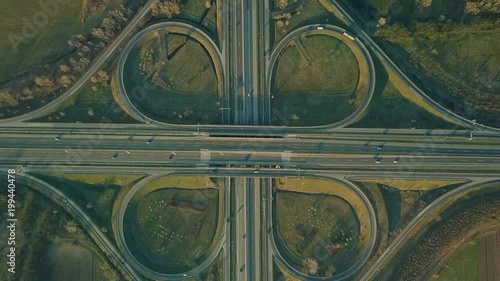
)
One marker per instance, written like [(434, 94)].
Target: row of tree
[(59, 76)]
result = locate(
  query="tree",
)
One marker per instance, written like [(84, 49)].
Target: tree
[(44, 81), (282, 4), (311, 265)]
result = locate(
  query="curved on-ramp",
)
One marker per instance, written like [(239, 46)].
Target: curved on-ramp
[(355, 267), (174, 27), (329, 30), (122, 244)]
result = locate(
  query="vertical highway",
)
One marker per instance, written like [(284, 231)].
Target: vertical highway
[(240, 224)]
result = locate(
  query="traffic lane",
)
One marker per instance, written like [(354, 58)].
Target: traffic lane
[(90, 142), (114, 157)]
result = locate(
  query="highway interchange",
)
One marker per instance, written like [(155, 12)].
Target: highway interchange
[(245, 154)]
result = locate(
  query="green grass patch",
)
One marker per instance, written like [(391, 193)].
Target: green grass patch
[(462, 265), (392, 110), (172, 229), (317, 225), (315, 80), (181, 81), (32, 36)]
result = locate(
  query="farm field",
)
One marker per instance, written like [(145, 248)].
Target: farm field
[(179, 76), (462, 265), (316, 81), (489, 256), (169, 229)]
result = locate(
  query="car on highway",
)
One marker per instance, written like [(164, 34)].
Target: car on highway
[(320, 28), (378, 161), (380, 147), (64, 200), (58, 137), (256, 171), (184, 275), (396, 161)]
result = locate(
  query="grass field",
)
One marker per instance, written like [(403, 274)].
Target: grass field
[(181, 81), (315, 79), (321, 227), (392, 110), (462, 265), (488, 258), (171, 229), (40, 36)]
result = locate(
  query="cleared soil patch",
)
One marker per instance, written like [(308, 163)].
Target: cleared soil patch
[(179, 77), (170, 230), (489, 257), (316, 78)]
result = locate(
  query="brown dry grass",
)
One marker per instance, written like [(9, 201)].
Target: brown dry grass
[(415, 184)]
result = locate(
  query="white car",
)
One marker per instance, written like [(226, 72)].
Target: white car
[(378, 161), (396, 161)]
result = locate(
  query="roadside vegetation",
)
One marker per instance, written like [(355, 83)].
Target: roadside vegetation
[(181, 78), (454, 226), (43, 251), (290, 14), (320, 225), (33, 87), (95, 194), (316, 81), (447, 48), (201, 12), (172, 229)]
